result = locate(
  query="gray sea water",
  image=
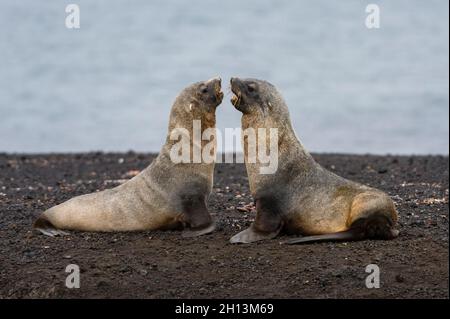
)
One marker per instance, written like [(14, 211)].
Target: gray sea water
[(109, 85)]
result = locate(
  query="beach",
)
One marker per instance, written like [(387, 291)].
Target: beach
[(157, 264)]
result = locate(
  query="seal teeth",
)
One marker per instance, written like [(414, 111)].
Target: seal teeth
[(236, 99), (219, 95)]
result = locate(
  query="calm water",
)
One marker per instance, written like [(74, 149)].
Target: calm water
[(109, 85)]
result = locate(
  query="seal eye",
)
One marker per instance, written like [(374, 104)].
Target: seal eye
[(204, 90), (251, 88)]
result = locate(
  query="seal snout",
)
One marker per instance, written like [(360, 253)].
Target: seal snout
[(235, 88), (216, 83)]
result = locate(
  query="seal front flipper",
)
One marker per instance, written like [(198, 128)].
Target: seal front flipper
[(44, 226), (251, 235), (267, 225), (194, 233), (196, 216)]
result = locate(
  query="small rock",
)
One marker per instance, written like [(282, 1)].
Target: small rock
[(102, 284), (399, 278)]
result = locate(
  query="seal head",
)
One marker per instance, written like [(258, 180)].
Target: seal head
[(207, 94), (257, 97)]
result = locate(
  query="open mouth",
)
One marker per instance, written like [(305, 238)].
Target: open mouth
[(236, 99), (219, 95), (218, 92)]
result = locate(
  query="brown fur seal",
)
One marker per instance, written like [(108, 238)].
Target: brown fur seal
[(302, 197), (165, 195)]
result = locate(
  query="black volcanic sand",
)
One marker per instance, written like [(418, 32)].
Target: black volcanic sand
[(164, 265)]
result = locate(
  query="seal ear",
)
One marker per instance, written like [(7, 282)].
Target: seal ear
[(268, 103), (267, 107), (192, 105)]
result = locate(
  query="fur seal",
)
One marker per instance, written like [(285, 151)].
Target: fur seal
[(166, 195), (302, 197)]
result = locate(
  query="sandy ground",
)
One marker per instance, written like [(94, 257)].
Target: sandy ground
[(165, 265)]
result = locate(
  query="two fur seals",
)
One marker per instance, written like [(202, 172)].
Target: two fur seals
[(301, 197), (165, 195)]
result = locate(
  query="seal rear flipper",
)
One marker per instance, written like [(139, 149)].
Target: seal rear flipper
[(44, 226), (348, 235), (370, 228)]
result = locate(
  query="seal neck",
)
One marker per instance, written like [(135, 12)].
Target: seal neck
[(288, 140)]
